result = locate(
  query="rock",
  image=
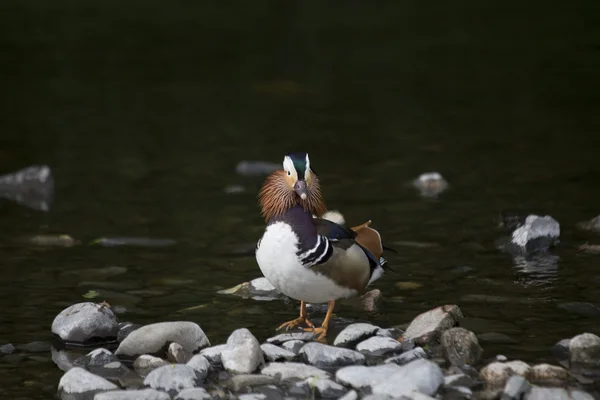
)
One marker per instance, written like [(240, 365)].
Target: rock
[(177, 354), (293, 345), (239, 382), (284, 337), (65, 360), (193, 394), (83, 322), (501, 358), (252, 396), (361, 377), (7, 349), (536, 234), (497, 374), (32, 187), (96, 358), (353, 334), (172, 378), (323, 388), (561, 349), (496, 338), (421, 376), (144, 394), (538, 393), (459, 380), (579, 395), (213, 354), (378, 346), (428, 326), (457, 393), (548, 374), (125, 328), (591, 225), (430, 184), (325, 356), (580, 308), (516, 387), (584, 350), (201, 365), (257, 289), (292, 370), (351, 395), (35, 347), (146, 363), (460, 346), (405, 358), (276, 353), (243, 354), (154, 338), (78, 381)]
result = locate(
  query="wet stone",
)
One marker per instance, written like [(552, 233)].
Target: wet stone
[(243, 354), (351, 395), (213, 354), (35, 347), (421, 376), (276, 353), (239, 382), (79, 381), (539, 393), (353, 334), (172, 378), (284, 337), (459, 380), (460, 346), (584, 349), (177, 354), (65, 360), (561, 349), (293, 345), (497, 374), (83, 322), (125, 328), (252, 396), (324, 388), (257, 289), (193, 394), (96, 358), (271, 392), (405, 358), (378, 346), (428, 326), (325, 356), (145, 363), (496, 338), (154, 338), (548, 374), (7, 349), (201, 365), (144, 394), (361, 377), (536, 234), (516, 387), (458, 393), (292, 370)]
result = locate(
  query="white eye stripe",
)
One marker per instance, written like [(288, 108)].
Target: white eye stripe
[(288, 165)]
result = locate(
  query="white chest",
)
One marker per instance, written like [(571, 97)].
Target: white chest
[(277, 259)]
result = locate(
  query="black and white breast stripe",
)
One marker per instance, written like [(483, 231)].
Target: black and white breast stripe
[(318, 254)]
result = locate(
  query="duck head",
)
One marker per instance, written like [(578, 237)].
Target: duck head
[(295, 184)]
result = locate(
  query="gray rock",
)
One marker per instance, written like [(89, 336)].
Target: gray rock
[(257, 289), (243, 354), (172, 378), (144, 394), (239, 382), (459, 380), (591, 225), (32, 187), (293, 345), (82, 322), (7, 349), (351, 395), (561, 349), (361, 377), (548, 374), (377, 346), (177, 354), (193, 394), (201, 365), (430, 184), (65, 360), (145, 363), (501, 358), (460, 346), (78, 381), (325, 356), (125, 328), (421, 376), (292, 370), (516, 387), (536, 234), (154, 338), (428, 326), (324, 388), (252, 396), (405, 358), (96, 358), (457, 393), (213, 354), (276, 353), (35, 347), (538, 393), (579, 395), (284, 337), (355, 333), (496, 374), (584, 349)]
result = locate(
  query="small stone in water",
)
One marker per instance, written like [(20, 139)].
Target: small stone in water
[(213, 354), (84, 321), (497, 374), (7, 348), (501, 358), (461, 346), (585, 350), (421, 376), (293, 345), (406, 357), (96, 358), (193, 394), (275, 353), (355, 333), (428, 326), (172, 378), (201, 365), (378, 346), (591, 225), (537, 234), (430, 184), (561, 349)]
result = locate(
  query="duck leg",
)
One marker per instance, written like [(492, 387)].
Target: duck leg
[(322, 330), (303, 318)]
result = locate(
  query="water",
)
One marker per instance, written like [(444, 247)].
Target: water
[(143, 110)]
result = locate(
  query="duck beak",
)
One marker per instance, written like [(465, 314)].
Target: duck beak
[(300, 189)]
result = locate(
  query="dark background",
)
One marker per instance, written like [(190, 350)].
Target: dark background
[(143, 109)]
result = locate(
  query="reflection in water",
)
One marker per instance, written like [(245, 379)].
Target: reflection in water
[(537, 270)]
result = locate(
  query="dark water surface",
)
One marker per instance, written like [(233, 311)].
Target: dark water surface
[(144, 108)]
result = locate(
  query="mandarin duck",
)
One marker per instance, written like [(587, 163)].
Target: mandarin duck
[(306, 257)]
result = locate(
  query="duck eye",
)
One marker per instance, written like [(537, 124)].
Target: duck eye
[(289, 173)]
